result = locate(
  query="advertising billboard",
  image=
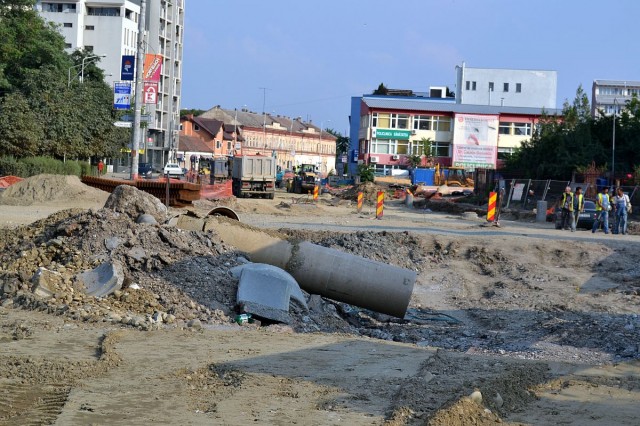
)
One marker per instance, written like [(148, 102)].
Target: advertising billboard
[(127, 68), (152, 67), (475, 141)]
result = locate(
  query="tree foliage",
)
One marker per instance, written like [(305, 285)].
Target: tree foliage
[(342, 142), (563, 145), (42, 110)]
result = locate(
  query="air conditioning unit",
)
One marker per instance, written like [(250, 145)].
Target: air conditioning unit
[(395, 157), (373, 159), (413, 132)]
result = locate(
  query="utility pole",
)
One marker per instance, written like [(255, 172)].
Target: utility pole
[(264, 117), (135, 135)]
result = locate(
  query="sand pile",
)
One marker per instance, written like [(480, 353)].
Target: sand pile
[(52, 189)]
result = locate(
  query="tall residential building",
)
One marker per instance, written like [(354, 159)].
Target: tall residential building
[(609, 96), (506, 87), (110, 28)]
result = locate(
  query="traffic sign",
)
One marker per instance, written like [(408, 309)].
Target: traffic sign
[(123, 124), (121, 95), (143, 117)]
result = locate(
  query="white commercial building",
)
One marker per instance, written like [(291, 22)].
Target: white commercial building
[(609, 96), (110, 28), (506, 87)]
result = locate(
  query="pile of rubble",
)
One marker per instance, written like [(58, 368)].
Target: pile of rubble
[(165, 276)]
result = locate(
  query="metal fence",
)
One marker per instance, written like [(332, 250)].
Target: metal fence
[(525, 193)]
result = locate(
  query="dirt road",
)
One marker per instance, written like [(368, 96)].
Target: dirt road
[(543, 323)]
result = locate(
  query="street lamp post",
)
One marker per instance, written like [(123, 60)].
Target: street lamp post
[(82, 65), (613, 147)]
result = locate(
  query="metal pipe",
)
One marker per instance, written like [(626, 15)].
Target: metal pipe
[(321, 270)]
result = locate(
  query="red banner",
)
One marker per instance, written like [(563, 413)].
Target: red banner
[(152, 67)]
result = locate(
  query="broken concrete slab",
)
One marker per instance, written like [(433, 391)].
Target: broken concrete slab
[(267, 291), (103, 280)]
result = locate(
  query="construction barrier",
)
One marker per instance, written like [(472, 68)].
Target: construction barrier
[(316, 190), (180, 192), (491, 209), (360, 200), (379, 205)]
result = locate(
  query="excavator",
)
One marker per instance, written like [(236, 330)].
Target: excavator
[(304, 180), (452, 176)]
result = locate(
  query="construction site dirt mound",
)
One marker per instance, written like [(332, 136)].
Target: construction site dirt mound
[(59, 189), (133, 202), (369, 192)]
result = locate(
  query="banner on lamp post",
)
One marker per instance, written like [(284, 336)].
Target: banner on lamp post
[(150, 92), (152, 67)]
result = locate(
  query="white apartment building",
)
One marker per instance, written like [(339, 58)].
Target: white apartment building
[(610, 96), (110, 28), (506, 87)]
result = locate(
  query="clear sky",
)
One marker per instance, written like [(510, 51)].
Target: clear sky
[(312, 55)]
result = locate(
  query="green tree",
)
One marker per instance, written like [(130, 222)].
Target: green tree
[(425, 150), (20, 130), (342, 142), (28, 43), (381, 90), (366, 172)]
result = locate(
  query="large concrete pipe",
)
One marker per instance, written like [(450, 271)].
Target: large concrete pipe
[(321, 270)]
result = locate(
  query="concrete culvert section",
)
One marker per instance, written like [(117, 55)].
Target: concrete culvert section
[(225, 212), (328, 272)]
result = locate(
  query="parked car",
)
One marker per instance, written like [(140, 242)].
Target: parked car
[(144, 169), (585, 219), (173, 169)]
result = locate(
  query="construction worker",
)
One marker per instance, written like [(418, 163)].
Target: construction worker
[(578, 207), (566, 204), (602, 208)]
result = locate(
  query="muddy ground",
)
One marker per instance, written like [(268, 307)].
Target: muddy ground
[(543, 323)]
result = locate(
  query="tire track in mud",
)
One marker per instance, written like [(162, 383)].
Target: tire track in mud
[(31, 404)]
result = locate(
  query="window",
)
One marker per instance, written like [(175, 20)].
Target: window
[(517, 129), (196, 127), (380, 120), (468, 85), (103, 11), (218, 144), (491, 86), (522, 129), (380, 146), (518, 87), (471, 85), (428, 122), (67, 45), (229, 146), (67, 25), (89, 27), (422, 122), (504, 153), (88, 48), (442, 124), (505, 87), (399, 121), (504, 128)]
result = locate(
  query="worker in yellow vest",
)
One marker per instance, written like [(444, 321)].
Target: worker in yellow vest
[(566, 204), (578, 207), (602, 207)]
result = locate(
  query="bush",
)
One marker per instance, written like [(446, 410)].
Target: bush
[(31, 166), (366, 173)]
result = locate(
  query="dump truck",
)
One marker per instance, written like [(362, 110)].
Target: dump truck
[(304, 181), (253, 175)]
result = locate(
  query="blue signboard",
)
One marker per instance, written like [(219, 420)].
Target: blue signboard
[(354, 156), (121, 95), (128, 66)]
